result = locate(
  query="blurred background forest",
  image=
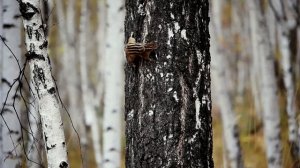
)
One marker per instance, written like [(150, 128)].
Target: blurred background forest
[(255, 71)]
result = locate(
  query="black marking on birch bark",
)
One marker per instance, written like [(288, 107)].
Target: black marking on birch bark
[(6, 110), (19, 140), (46, 138), (17, 16), (3, 80), (27, 10), (63, 164), (31, 47), (51, 90), (51, 147), (38, 35), (64, 144), (39, 76), (271, 160), (3, 38), (44, 45), (32, 55), (121, 8), (8, 26), (17, 97), (29, 31), (109, 128), (112, 149), (13, 132)]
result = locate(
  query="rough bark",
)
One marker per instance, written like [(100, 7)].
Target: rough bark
[(11, 130), (113, 83), (167, 100), (270, 107), (40, 69), (229, 119)]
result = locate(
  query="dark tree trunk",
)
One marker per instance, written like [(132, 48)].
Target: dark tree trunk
[(167, 101)]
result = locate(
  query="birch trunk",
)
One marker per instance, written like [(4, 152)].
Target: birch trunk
[(229, 119), (1, 90), (290, 91), (40, 68), (167, 100), (271, 116), (101, 38), (83, 28), (285, 24), (113, 83), (34, 153), (255, 68), (11, 132)]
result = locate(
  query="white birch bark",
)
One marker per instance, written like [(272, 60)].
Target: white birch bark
[(69, 75), (83, 28), (71, 57), (40, 68), (12, 35), (113, 82), (101, 31), (238, 28), (1, 92), (229, 120), (284, 24), (255, 68), (33, 149), (271, 116), (101, 38)]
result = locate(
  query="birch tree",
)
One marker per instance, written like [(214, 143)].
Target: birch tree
[(101, 31), (70, 73), (40, 68), (113, 81), (11, 130), (255, 68), (34, 153), (1, 74), (229, 119), (83, 28), (286, 22), (271, 116), (167, 99)]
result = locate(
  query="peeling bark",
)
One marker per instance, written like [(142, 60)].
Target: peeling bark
[(44, 85), (167, 100)]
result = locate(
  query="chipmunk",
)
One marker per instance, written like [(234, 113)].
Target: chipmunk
[(135, 51)]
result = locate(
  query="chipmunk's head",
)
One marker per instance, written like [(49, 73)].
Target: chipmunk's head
[(131, 41)]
